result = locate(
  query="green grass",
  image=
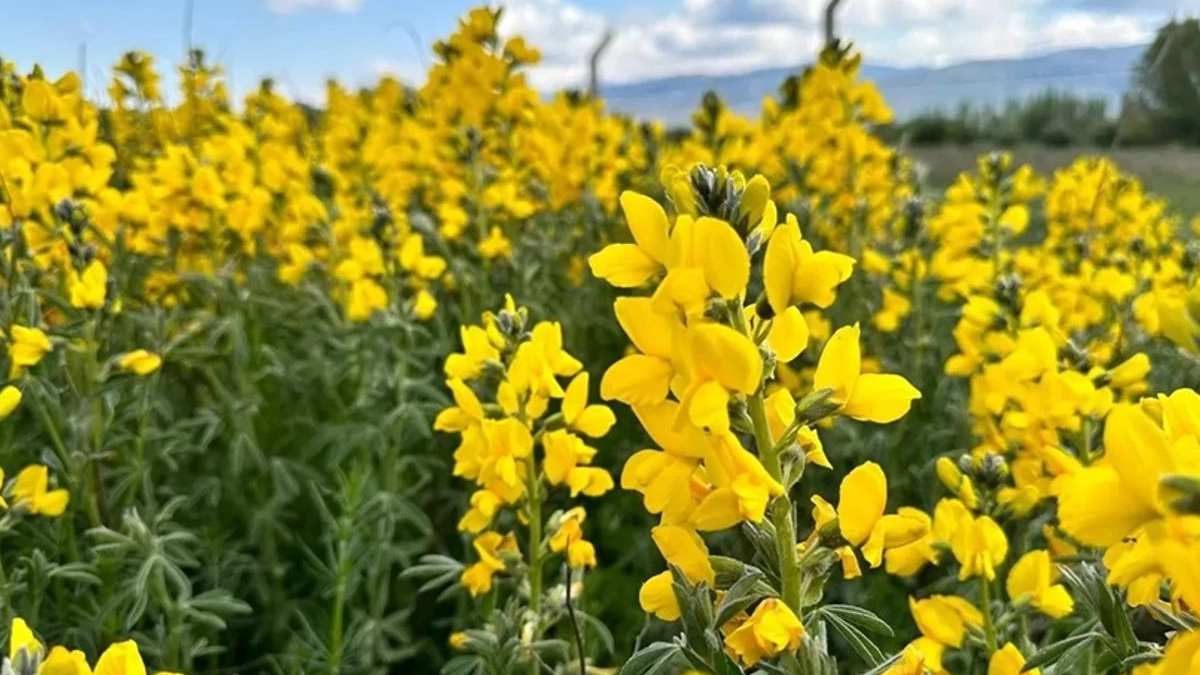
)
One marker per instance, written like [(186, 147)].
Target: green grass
[(1172, 172)]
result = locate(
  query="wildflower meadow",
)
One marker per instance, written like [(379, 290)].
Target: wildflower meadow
[(464, 378)]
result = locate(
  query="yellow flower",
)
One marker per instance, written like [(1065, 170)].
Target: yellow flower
[(62, 661), (569, 538), (20, 637), (794, 274), (684, 549), (872, 397), (631, 265), (140, 362), (590, 420), (496, 245), (719, 360), (945, 618), (488, 546), (1008, 661), (1031, 580), (643, 378), (366, 298), (121, 658), (1182, 655), (89, 289), (29, 492), (478, 351), (980, 546), (10, 398), (1109, 500), (424, 305), (484, 504), (458, 640), (26, 347), (771, 630), (657, 597), (862, 499)]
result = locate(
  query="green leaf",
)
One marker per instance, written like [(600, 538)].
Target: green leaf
[(653, 659), (1050, 653), (861, 644), (860, 618), (743, 593)]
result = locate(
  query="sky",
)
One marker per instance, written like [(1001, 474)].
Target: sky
[(301, 43)]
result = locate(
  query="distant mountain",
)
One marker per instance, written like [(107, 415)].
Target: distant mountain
[(1103, 72)]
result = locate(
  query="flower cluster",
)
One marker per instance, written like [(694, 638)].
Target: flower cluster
[(702, 382), (519, 452)]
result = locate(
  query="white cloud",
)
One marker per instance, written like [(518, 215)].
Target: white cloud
[(289, 6), (711, 37)]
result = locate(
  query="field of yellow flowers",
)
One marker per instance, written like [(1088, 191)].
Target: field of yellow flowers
[(463, 379)]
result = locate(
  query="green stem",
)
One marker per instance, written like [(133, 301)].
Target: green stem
[(782, 516), (989, 628), (535, 558), (336, 629)]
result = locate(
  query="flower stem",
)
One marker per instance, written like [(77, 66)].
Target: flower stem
[(782, 516), (535, 559), (989, 628)]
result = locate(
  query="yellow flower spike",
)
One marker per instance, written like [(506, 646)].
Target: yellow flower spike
[(1031, 580), (862, 499), (61, 661), (1008, 661), (872, 397), (590, 420), (88, 290), (10, 398), (139, 362), (20, 636), (771, 630), (121, 658), (29, 491), (657, 597), (684, 549), (945, 618)]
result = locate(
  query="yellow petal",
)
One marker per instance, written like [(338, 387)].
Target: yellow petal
[(637, 379), (880, 398), (648, 222), (684, 549), (726, 262), (862, 499), (789, 334), (840, 363), (623, 265), (657, 597)]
